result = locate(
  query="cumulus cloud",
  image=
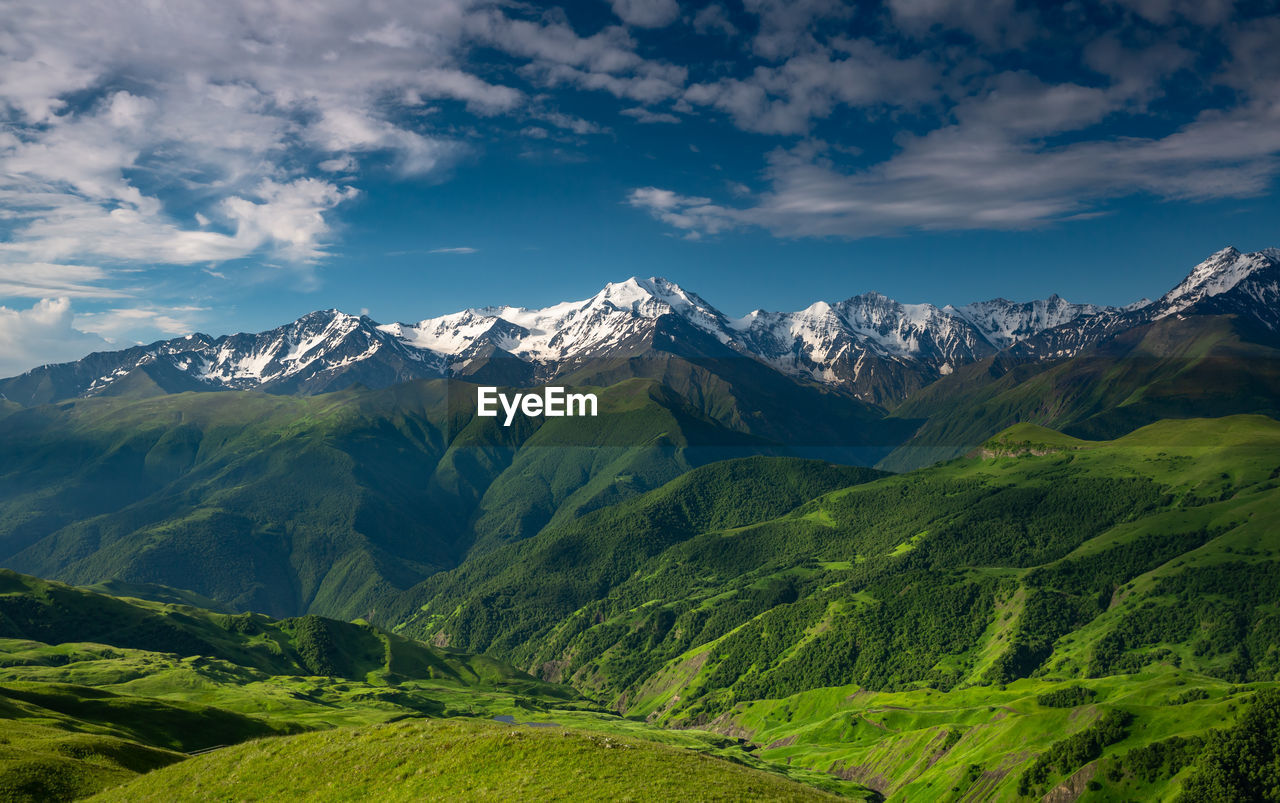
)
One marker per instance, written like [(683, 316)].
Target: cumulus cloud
[(691, 215), (226, 105), (646, 13), (123, 325), (240, 129), (289, 216), (605, 61), (1000, 148), (714, 19), (789, 27), (41, 334), (998, 23)]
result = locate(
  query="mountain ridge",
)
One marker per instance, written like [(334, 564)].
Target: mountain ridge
[(868, 346)]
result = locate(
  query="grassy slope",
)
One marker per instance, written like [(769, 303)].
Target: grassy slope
[(975, 744), (39, 763), (1174, 368), (239, 497), (467, 759), (289, 505), (1046, 559), (513, 595), (80, 715)]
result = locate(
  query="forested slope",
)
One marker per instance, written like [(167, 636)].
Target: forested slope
[(1130, 567)]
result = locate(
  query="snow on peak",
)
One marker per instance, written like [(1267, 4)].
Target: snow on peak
[(448, 334), (1004, 322), (655, 296), (1219, 273), (634, 293), (619, 310), (818, 309), (830, 342)]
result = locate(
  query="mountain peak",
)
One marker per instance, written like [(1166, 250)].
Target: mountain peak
[(1219, 273), (872, 295), (639, 295)]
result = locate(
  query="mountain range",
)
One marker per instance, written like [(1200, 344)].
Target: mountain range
[(869, 346), (1004, 551), (272, 495)]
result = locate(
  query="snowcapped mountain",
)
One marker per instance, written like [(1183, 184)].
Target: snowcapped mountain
[(1229, 282), (595, 327), (1005, 322), (1220, 273), (868, 346), (319, 343), (323, 350)]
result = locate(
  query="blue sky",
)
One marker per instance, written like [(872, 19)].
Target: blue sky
[(230, 166)]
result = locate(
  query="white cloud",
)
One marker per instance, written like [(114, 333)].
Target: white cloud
[(42, 334), (646, 13), (714, 19), (43, 279), (226, 106), (339, 164), (288, 216), (997, 23), (969, 176), (789, 27), (122, 325), (230, 105), (480, 96), (787, 98), (197, 149), (693, 216), (650, 84), (605, 61), (455, 250), (643, 115), (609, 50), (570, 123)]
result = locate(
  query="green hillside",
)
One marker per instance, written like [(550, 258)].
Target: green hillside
[(333, 504), (508, 599), (1146, 567), (1201, 366), (1162, 734), (95, 690), (460, 759), (1047, 615)]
